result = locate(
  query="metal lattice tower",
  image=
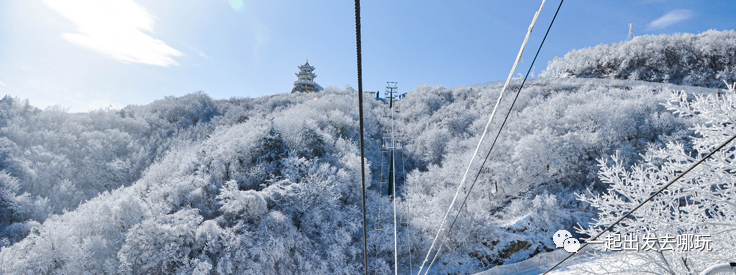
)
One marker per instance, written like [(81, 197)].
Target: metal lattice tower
[(391, 144), (390, 89), (631, 32)]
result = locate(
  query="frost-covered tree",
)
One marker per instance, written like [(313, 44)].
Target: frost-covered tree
[(704, 59), (548, 150), (262, 195), (60, 159), (270, 185), (701, 203)]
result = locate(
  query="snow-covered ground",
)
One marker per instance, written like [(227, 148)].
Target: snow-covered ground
[(577, 264), (536, 265)]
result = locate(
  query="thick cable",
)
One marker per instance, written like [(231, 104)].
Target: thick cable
[(496, 138), (645, 201), (362, 140), (493, 113)]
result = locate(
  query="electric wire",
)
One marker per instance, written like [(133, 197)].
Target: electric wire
[(396, 241), (380, 191), (645, 201), (362, 140), (496, 138), (406, 218), (375, 261), (493, 113), (393, 197)]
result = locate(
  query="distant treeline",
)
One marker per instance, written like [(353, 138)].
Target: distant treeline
[(704, 59)]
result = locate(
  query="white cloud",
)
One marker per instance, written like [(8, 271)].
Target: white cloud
[(1, 83), (670, 19), (115, 28)]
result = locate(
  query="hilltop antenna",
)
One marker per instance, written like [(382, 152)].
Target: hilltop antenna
[(631, 32)]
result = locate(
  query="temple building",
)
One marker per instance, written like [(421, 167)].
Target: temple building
[(306, 83)]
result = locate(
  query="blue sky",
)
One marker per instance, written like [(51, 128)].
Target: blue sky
[(90, 54)]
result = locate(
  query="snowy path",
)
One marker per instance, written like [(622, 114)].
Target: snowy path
[(541, 263)]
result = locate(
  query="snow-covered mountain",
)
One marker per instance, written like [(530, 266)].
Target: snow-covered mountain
[(704, 59), (272, 185)]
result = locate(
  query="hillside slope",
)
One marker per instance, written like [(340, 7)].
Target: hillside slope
[(705, 59), (271, 185)]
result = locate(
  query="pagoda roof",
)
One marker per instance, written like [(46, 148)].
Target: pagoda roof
[(306, 65)]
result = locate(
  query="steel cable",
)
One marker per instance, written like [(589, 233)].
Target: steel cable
[(362, 140)]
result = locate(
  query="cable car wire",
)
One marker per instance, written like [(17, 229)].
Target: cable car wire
[(496, 138), (406, 215), (362, 140), (493, 113)]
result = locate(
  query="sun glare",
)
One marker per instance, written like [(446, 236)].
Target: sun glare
[(237, 5), (115, 29)]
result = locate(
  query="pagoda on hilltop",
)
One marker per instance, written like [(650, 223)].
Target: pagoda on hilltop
[(306, 83)]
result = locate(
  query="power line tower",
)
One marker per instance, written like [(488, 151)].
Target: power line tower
[(393, 145), (390, 145), (390, 142), (631, 32)]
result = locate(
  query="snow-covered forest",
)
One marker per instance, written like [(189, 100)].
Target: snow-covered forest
[(699, 204), (704, 59), (271, 185)]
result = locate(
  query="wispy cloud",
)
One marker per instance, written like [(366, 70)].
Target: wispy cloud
[(1, 83), (670, 19), (115, 28)]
